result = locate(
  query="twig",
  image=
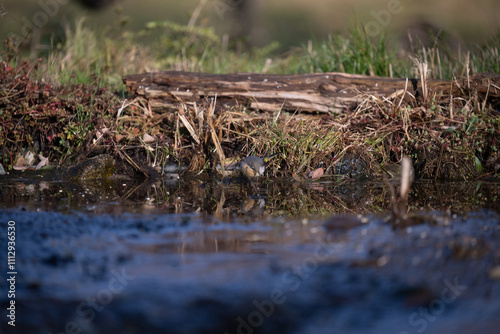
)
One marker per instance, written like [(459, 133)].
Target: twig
[(196, 13)]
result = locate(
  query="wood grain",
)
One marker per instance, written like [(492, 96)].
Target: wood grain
[(316, 92)]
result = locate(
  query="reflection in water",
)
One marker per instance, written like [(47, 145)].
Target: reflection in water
[(255, 200), (213, 249), (253, 206)]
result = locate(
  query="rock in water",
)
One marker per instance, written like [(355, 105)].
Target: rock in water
[(98, 167)]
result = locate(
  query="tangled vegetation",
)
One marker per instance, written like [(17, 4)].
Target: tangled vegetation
[(70, 105)]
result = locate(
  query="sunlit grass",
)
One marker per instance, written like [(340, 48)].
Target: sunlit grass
[(96, 61), (90, 55)]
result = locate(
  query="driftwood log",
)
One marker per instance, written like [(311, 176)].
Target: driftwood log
[(317, 92)]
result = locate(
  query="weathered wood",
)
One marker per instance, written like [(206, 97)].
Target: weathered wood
[(317, 92)]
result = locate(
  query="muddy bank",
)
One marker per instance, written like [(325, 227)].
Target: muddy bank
[(194, 273)]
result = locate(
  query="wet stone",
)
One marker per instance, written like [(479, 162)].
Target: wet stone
[(95, 168), (353, 166)]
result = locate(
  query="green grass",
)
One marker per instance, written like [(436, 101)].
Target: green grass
[(87, 55), (72, 85), (357, 53)]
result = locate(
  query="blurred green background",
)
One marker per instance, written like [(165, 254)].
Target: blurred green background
[(291, 22)]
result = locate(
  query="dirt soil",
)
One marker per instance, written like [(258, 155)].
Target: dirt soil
[(139, 270)]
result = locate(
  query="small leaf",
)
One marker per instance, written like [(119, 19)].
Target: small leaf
[(19, 162), (316, 174), (479, 166), (21, 167), (43, 162), (148, 138)]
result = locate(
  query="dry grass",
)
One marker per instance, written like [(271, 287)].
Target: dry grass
[(454, 138), (451, 138)]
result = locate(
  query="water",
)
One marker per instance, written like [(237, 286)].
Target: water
[(228, 200), (203, 256)]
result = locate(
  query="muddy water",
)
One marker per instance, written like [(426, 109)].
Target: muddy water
[(203, 256)]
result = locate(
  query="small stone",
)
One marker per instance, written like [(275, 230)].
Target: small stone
[(173, 168), (96, 168)]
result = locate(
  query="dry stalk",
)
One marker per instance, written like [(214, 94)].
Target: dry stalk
[(120, 110), (405, 116), (422, 68), (177, 139), (486, 97), (215, 139), (127, 158), (401, 92), (196, 13), (187, 123), (137, 102), (406, 175), (467, 69), (399, 205), (451, 101), (200, 116), (440, 68)]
